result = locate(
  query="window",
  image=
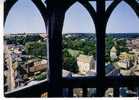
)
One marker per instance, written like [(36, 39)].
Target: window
[(56, 83), (121, 50), (79, 42), (25, 49)]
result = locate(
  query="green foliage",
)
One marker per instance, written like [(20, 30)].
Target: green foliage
[(86, 46), (16, 40), (69, 62), (109, 44), (37, 49), (20, 40), (40, 77), (32, 38), (73, 47), (74, 53), (23, 39), (121, 46), (10, 40), (66, 53)]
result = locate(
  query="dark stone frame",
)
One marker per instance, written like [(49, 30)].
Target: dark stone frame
[(53, 17)]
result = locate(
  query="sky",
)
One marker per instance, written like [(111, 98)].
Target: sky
[(25, 17)]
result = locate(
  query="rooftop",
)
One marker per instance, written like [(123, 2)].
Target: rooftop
[(84, 58)]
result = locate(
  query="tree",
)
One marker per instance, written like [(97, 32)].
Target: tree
[(66, 53), (70, 62), (109, 44), (37, 49), (32, 38), (121, 46), (40, 77), (20, 40)]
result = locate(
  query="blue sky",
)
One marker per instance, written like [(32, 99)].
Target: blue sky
[(24, 17)]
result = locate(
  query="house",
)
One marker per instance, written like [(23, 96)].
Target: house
[(135, 70), (85, 63), (125, 60), (113, 53), (37, 65), (135, 43), (123, 64), (125, 72)]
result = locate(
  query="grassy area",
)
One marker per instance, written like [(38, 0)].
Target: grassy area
[(74, 53)]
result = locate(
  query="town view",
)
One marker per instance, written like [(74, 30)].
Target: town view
[(26, 62)]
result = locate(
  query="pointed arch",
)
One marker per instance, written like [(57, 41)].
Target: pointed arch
[(126, 15), (69, 17), (111, 8), (22, 14), (8, 4), (134, 4)]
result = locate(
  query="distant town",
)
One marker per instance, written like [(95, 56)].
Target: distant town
[(26, 62)]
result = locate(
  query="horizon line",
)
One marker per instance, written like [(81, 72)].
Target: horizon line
[(72, 33)]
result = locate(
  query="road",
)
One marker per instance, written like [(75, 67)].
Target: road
[(10, 76)]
